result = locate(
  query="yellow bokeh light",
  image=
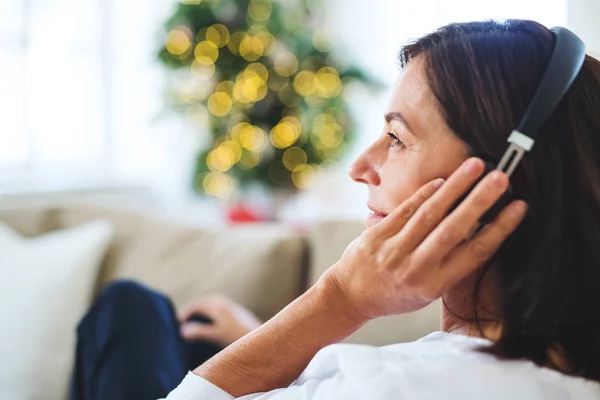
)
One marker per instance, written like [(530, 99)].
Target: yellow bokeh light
[(249, 86), (293, 157), (178, 41), (206, 52), (201, 34), (245, 91), (237, 130), (294, 123), (218, 34), (267, 40), (253, 138), (246, 74), (221, 159), (303, 175), (327, 82), (262, 91), (219, 104), (218, 185), (284, 135), (225, 86), (326, 132), (286, 64), (259, 70), (251, 48), (235, 40), (238, 94), (304, 83), (321, 120), (249, 159), (235, 149), (260, 10), (331, 136), (191, 2)]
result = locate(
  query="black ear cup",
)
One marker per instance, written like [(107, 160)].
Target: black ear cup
[(502, 202)]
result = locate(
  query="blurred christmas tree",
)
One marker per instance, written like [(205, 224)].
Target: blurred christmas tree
[(261, 74)]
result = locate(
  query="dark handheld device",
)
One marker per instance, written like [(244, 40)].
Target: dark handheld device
[(200, 318), (564, 66)]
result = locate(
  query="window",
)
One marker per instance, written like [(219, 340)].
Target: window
[(53, 79)]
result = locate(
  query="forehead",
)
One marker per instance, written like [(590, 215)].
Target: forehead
[(413, 98)]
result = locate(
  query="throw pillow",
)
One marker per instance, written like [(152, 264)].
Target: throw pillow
[(46, 286)]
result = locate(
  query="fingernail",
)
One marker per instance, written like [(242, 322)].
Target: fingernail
[(497, 179), (184, 330), (520, 208), (472, 167), (438, 183)]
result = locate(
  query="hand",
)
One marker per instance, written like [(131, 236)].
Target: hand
[(231, 321), (417, 253)]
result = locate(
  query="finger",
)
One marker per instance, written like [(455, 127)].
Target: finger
[(472, 254), (455, 228), (197, 331), (391, 224), (429, 215)]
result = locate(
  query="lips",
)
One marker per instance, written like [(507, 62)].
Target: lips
[(375, 216), (377, 212)]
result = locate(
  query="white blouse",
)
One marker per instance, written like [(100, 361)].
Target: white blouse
[(439, 366)]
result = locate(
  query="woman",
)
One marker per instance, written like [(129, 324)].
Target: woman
[(520, 317)]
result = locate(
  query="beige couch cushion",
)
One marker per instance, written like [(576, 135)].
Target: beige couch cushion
[(261, 266), (328, 240)]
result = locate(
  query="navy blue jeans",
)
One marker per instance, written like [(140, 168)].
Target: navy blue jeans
[(129, 347)]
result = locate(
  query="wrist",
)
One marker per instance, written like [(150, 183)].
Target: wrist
[(332, 293)]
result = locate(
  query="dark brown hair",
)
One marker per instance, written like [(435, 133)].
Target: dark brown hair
[(547, 274)]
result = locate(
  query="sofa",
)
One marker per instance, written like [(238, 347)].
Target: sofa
[(263, 266)]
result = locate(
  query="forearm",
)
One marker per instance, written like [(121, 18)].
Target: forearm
[(275, 354)]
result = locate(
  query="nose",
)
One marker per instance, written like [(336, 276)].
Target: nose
[(364, 168)]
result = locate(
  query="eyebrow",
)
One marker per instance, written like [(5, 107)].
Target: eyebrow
[(397, 116)]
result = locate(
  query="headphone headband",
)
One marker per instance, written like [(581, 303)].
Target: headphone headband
[(564, 66)]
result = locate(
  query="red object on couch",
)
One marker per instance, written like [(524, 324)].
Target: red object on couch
[(242, 213)]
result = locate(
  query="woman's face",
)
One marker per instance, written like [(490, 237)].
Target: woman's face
[(415, 147)]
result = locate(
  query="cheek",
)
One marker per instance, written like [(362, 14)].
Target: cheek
[(401, 178)]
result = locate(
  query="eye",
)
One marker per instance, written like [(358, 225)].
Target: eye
[(395, 142)]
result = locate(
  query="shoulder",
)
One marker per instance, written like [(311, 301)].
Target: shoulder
[(439, 366)]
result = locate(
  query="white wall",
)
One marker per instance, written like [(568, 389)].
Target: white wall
[(583, 18)]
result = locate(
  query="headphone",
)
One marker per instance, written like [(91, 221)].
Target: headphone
[(564, 66)]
